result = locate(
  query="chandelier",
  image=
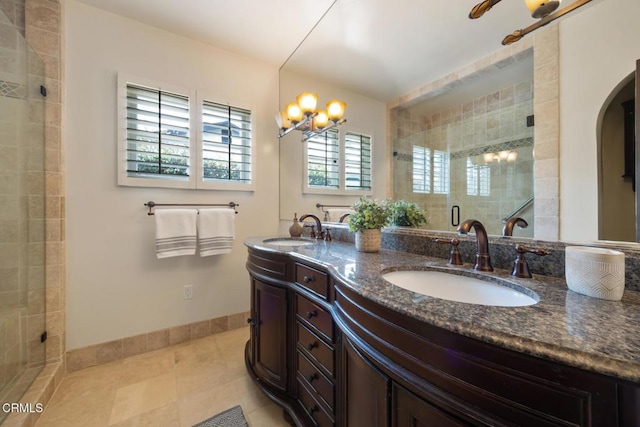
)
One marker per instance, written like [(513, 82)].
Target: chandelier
[(302, 115), (540, 9)]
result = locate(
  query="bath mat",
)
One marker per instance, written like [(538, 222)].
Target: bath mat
[(230, 418)]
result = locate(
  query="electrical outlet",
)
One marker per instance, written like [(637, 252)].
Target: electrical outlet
[(188, 291)]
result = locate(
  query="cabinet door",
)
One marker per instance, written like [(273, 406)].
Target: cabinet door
[(270, 335), (366, 390), (409, 410)]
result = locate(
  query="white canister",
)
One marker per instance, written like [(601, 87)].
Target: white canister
[(595, 272)]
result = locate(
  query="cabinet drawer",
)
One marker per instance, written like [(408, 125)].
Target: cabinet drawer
[(312, 279), (316, 381), (313, 408), (312, 346), (318, 317)]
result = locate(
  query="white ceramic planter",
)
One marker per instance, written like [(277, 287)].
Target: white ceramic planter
[(595, 272)]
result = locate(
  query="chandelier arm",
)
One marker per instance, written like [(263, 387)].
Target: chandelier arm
[(482, 8), (518, 34)]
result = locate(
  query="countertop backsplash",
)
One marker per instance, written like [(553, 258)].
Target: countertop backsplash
[(501, 249)]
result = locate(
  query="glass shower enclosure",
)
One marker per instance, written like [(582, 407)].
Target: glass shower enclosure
[(469, 160), (22, 214)]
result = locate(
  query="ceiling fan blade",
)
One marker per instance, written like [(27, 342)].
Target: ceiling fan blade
[(518, 34), (481, 8)]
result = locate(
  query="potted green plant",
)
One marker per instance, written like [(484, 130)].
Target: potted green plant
[(407, 214), (367, 220)]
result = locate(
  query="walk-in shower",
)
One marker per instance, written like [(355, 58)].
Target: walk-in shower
[(22, 213)]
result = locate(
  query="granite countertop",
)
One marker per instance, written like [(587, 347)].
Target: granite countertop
[(564, 326)]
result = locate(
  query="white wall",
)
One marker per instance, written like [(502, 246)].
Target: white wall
[(116, 286), (599, 47), (364, 115)]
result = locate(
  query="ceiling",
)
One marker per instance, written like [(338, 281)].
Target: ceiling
[(376, 47)]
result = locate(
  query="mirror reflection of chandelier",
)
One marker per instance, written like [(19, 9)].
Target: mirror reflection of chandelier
[(302, 115), (540, 9), (505, 155)]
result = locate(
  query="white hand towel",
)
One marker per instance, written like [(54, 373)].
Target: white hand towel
[(175, 232), (216, 231), (335, 214)]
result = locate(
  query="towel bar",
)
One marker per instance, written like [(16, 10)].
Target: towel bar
[(151, 204)]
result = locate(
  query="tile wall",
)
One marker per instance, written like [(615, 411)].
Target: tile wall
[(486, 125)]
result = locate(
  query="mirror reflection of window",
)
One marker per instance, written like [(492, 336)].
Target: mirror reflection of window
[(421, 169), (322, 160), (440, 172), (357, 161), (478, 179)]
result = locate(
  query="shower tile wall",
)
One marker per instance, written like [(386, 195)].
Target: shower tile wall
[(487, 124), (22, 209)]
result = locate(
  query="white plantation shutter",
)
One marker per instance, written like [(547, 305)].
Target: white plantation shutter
[(157, 133), (226, 143), (322, 160), (421, 169), (357, 162)]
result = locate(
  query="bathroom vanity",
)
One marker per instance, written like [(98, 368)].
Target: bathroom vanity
[(333, 343)]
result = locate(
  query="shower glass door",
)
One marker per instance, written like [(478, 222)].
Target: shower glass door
[(22, 215)]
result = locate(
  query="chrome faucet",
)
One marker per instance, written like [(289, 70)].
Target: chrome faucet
[(512, 222), (483, 260), (320, 234)]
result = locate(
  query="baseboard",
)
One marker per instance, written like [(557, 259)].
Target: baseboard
[(112, 351)]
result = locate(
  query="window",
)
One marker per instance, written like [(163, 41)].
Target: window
[(338, 163), (157, 133), (421, 169), (322, 160), (226, 143), (357, 161), (478, 179), (440, 172), (171, 137)]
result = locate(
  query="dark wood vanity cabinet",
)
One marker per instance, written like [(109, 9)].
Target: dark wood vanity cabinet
[(269, 338), (331, 357)]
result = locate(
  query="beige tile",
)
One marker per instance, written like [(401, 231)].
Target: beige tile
[(200, 329), (266, 416), (237, 321), (158, 339), (139, 398), (165, 416), (109, 352), (145, 366), (200, 349), (201, 373), (251, 397), (200, 406), (179, 334), (81, 358), (219, 324), (132, 346)]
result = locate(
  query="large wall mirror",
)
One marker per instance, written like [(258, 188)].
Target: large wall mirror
[(464, 148)]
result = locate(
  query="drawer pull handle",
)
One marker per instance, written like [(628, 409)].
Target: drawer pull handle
[(308, 279), (312, 345), (311, 314), (312, 409), (312, 377)]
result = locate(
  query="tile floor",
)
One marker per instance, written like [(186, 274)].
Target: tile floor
[(176, 386)]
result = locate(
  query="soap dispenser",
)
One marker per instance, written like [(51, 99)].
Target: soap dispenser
[(296, 229)]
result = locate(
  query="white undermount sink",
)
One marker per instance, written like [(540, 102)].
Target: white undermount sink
[(285, 241), (458, 288)]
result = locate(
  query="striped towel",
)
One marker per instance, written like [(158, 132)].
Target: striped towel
[(216, 231), (175, 232)]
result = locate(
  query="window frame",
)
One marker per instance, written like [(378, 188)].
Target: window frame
[(196, 180), (342, 189)]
